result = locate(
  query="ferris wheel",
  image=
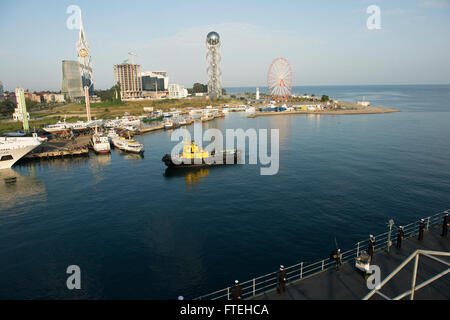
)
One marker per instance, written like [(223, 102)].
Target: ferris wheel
[(279, 80)]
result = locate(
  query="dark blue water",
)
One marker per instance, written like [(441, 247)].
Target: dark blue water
[(137, 233)]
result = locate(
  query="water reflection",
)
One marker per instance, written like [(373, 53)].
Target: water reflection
[(101, 160), (192, 176), (16, 189), (64, 164), (133, 156), (98, 163)]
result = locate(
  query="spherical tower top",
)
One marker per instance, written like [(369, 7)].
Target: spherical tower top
[(213, 38)]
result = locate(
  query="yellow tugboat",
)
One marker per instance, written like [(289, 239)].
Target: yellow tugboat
[(194, 156)]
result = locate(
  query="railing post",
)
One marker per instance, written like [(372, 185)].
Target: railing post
[(413, 285), (323, 262), (228, 293), (428, 223), (391, 224), (301, 270), (357, 251), (254, 286)]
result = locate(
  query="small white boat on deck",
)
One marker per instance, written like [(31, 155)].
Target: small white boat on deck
[(78, 126), (57, 128), (130, 121)]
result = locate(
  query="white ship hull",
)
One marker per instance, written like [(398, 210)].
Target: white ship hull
[(124, 146), (102, 147), (13, 149)]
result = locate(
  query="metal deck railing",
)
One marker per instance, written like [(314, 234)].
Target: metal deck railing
[(268, 282)]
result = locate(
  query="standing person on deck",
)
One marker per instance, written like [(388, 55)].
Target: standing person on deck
[(400, 236), (237, 291), (371, 248), (421, 229), (445, 225), (337, 256), (282, 279)]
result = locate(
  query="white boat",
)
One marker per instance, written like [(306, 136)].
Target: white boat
[(130, 121), (130, 128), (128, 145), (250, 109), (168, 124), (100, 142), (59, 127), (182, 122), (13, 149), (111, 123), (78, 126), (112, 134), (207, 117)]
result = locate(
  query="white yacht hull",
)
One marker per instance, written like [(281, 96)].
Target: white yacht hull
[(124, 147), (16, 154)]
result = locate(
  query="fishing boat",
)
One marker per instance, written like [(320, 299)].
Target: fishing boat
[(100, 142), (128, 145), (194, 156)]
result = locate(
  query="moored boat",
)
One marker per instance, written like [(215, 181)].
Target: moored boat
[(194, 156), (100, 143), (57, 128), (128, 145), (13, 149)]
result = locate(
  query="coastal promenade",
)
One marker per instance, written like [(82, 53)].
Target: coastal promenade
[(365, 110), (349, 284)]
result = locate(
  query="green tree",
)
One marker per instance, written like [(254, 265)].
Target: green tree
[(199, 88), (6, 108), (325, 98)]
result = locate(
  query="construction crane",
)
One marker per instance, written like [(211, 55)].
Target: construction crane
[(132, 54)]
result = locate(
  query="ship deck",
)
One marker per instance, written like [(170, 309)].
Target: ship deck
[(349, 284)]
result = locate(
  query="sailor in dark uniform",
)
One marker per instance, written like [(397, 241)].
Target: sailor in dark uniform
[(421, 228), (400, 236), (445, 224), (371, 248), (237, 291), (337, 256), (282, 279)]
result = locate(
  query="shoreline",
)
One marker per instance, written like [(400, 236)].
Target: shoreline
[(364, 110)]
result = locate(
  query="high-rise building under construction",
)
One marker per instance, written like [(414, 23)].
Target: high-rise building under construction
[(129, 78)]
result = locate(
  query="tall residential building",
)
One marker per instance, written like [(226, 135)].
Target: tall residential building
[(129, 78), (2, 95), (72, 83)]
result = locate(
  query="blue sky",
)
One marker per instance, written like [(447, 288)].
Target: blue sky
[(327, 42)]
